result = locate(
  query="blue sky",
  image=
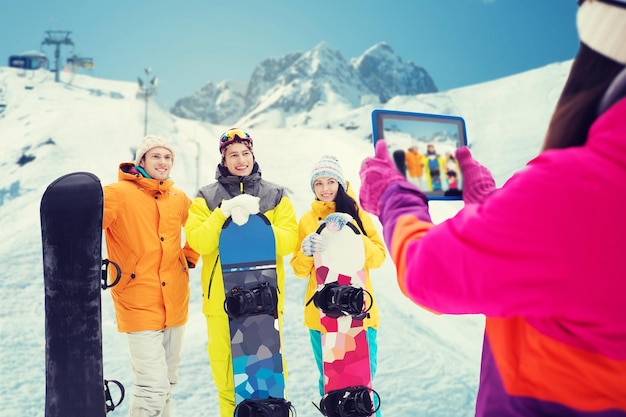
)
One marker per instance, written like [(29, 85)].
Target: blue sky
[(190, 42)]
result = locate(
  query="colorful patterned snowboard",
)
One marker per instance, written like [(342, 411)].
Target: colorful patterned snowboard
[(248, 259), (345, 350)]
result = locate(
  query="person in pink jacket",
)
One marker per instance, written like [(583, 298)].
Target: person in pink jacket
[(542, 256)]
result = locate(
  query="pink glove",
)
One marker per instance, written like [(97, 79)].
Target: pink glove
[(478, 182), (377, 174)]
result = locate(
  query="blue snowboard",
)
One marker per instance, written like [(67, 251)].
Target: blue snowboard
[(248, 259)]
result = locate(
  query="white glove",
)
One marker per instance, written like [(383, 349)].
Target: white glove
[(241, 207), (226, 207), (313, 243), (239, 215), (336, 221)]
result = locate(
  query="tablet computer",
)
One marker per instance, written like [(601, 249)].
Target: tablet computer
[(422, 146)]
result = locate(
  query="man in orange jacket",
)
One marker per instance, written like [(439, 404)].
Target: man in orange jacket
[(143, 217), (415, 166)]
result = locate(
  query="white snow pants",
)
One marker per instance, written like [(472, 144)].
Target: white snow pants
[(416, 181), (155, 360)]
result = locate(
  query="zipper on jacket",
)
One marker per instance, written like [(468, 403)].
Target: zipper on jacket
[(208, 292)]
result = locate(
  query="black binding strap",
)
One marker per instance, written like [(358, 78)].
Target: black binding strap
[(109, 403), (354, 401), (105, 274), (265, 407)]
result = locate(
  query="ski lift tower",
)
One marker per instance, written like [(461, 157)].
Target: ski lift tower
[(57, 38), (146, 91)]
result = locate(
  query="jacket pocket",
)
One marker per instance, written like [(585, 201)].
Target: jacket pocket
[(128, 272), (184, 267)]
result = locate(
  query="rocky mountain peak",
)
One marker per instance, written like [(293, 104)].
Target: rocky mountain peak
[(299, 82)]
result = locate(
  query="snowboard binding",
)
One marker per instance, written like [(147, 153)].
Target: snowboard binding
[(342, 300), (241, 302), (105, 274), (349, 402), (109, 403), (265, 407)]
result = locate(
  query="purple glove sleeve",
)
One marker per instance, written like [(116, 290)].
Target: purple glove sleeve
[(377, 173), (478, 182), (400, 199)]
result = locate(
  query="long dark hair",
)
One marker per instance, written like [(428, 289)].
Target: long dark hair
[(346, 204), (590, 76)]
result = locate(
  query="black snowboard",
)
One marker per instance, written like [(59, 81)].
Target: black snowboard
[(399, 158), (71, 229)]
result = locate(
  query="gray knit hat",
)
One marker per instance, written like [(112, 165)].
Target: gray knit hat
[(328, 166), (149, 142)]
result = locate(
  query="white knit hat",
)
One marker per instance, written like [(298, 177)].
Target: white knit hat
[(149, 142), (602, 27), (328, 166)]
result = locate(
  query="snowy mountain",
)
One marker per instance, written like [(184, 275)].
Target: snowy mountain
[(387, 75), (297, 84), (213, 103), (428, 364)]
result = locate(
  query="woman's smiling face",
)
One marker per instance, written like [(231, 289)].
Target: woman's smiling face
[(326, 188)]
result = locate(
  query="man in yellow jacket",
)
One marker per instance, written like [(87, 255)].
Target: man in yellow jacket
[(238, 192), (143, 217)]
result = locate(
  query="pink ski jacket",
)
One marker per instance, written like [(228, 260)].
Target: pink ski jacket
[(544, 259)]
